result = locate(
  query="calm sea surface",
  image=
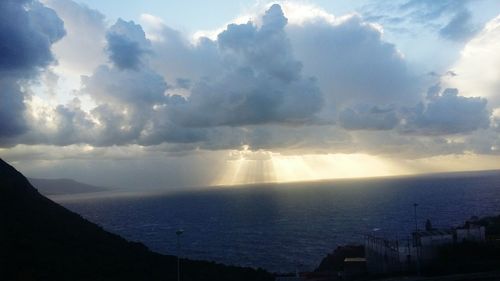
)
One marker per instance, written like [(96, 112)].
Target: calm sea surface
[(290, 226)]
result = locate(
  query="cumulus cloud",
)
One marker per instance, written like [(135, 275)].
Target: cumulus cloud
[(322, 84), (353, 64), (27, 31), (132, 87), (478, 67), (176, 57), (262, 84), (448, 113), (85, 30), (11, 109), (127, 44)]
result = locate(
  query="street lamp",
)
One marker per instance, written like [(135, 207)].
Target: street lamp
[(415, 205), (417, 242), (179, 233)]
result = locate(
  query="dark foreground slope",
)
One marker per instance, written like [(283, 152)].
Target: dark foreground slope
[(41, 240)]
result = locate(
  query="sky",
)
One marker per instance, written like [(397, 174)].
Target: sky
[(179, 94)]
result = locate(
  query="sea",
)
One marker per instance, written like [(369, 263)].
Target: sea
[(290, 226)]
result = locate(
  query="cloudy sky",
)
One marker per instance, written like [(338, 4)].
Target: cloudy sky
[(166, 94)]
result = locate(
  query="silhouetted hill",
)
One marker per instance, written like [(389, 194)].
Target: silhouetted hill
[(41, 240), (63, 186)]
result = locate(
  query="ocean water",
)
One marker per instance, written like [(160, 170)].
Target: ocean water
[(284, 227)]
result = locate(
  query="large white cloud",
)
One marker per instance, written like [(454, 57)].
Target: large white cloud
[(353, 63), (478, 69), (82, 49)]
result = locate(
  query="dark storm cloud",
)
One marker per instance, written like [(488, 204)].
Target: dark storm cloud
[(27, 31), (127, 44), (11, 109)]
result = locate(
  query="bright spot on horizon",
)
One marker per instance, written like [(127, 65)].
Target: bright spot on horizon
[(268, 167)]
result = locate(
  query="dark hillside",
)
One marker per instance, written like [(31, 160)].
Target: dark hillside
[(41, 240)]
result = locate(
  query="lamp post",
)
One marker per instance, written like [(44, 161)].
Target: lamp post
[(415, 205), (179, 233), (417, 242)]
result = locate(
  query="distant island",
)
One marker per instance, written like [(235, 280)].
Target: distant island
[(63, 186)]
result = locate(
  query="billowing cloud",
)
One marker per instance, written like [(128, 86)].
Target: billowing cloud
[(320, 84), (353, 65), (127, 44), (85, 30), (176, 57), (448, 113), (12, 121), (478, 69), (27, 31), (262, 83), (132, 87)]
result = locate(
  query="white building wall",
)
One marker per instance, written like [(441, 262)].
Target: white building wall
[(475, 234)]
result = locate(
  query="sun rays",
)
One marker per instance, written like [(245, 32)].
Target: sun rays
[(249, 167)]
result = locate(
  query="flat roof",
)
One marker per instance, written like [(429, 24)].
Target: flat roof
[(433, 232), (355, 259)]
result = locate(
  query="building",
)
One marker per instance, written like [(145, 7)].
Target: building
[(383, 256), (471, 232), (354, 268), (427, 244), (433, 238), (390, 256)]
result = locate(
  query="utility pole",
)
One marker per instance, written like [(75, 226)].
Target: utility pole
[(416, 236), (415, 205), (179, 233)]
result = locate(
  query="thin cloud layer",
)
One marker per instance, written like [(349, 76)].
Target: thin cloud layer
[(460, 27)]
